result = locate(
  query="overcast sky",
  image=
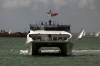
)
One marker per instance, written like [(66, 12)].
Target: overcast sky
[(18, 14)]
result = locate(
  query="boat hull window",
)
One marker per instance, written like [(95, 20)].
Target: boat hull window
[(60, 39), (38, 38), (65, 38), (34, 37), (55, 38)]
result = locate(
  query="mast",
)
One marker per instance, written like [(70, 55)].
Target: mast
[(51, 14)]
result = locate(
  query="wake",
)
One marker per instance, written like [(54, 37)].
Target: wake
[(85, 50), (25, 52)]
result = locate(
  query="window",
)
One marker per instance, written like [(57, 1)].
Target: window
[(34, 37), (38, 38), (55, 38), (65, 38), (59, 38)]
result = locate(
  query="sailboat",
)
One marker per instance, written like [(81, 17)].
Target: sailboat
[(9, 31), (84, 33), (97, 33), (80, 34), (91, 34)]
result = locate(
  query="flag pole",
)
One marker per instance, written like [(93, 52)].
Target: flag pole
[(51, 14)]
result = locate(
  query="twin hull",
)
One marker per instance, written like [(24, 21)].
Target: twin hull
[(65, 47)]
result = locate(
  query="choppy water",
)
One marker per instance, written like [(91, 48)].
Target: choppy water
[(85, 50)]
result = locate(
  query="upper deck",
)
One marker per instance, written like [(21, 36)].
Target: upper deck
[(51, 25)]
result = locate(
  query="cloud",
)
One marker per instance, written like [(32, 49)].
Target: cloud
[(90, 4), (16, 3), (46, 2), (35, 7), (56, 4), (59, 3), (83, 3)]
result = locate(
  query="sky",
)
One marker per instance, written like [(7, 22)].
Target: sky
[(18, 14)]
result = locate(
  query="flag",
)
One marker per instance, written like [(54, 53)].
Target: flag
[(54, 14), (49, 12)]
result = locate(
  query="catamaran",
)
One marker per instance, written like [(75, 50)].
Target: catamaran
[(49, 34)]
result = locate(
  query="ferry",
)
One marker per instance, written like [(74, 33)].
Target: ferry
[(49, 34)]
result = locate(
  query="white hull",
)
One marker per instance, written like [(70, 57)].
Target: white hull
[(62, 44), (43, 34)]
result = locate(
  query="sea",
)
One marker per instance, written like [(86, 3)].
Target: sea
[(86, 52)]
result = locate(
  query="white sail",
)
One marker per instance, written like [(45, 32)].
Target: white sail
[(97, 33), (80, 34), (9, 31), (84, 33), (91, 34)]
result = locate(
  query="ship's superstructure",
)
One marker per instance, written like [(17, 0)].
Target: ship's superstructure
[(49, 34)]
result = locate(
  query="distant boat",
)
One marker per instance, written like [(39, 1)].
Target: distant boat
[(97, 33), (9, 31), (84, 33), (91, 34), (80, 34)]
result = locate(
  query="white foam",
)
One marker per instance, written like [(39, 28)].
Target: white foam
[(85, 50), (25, 52)]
